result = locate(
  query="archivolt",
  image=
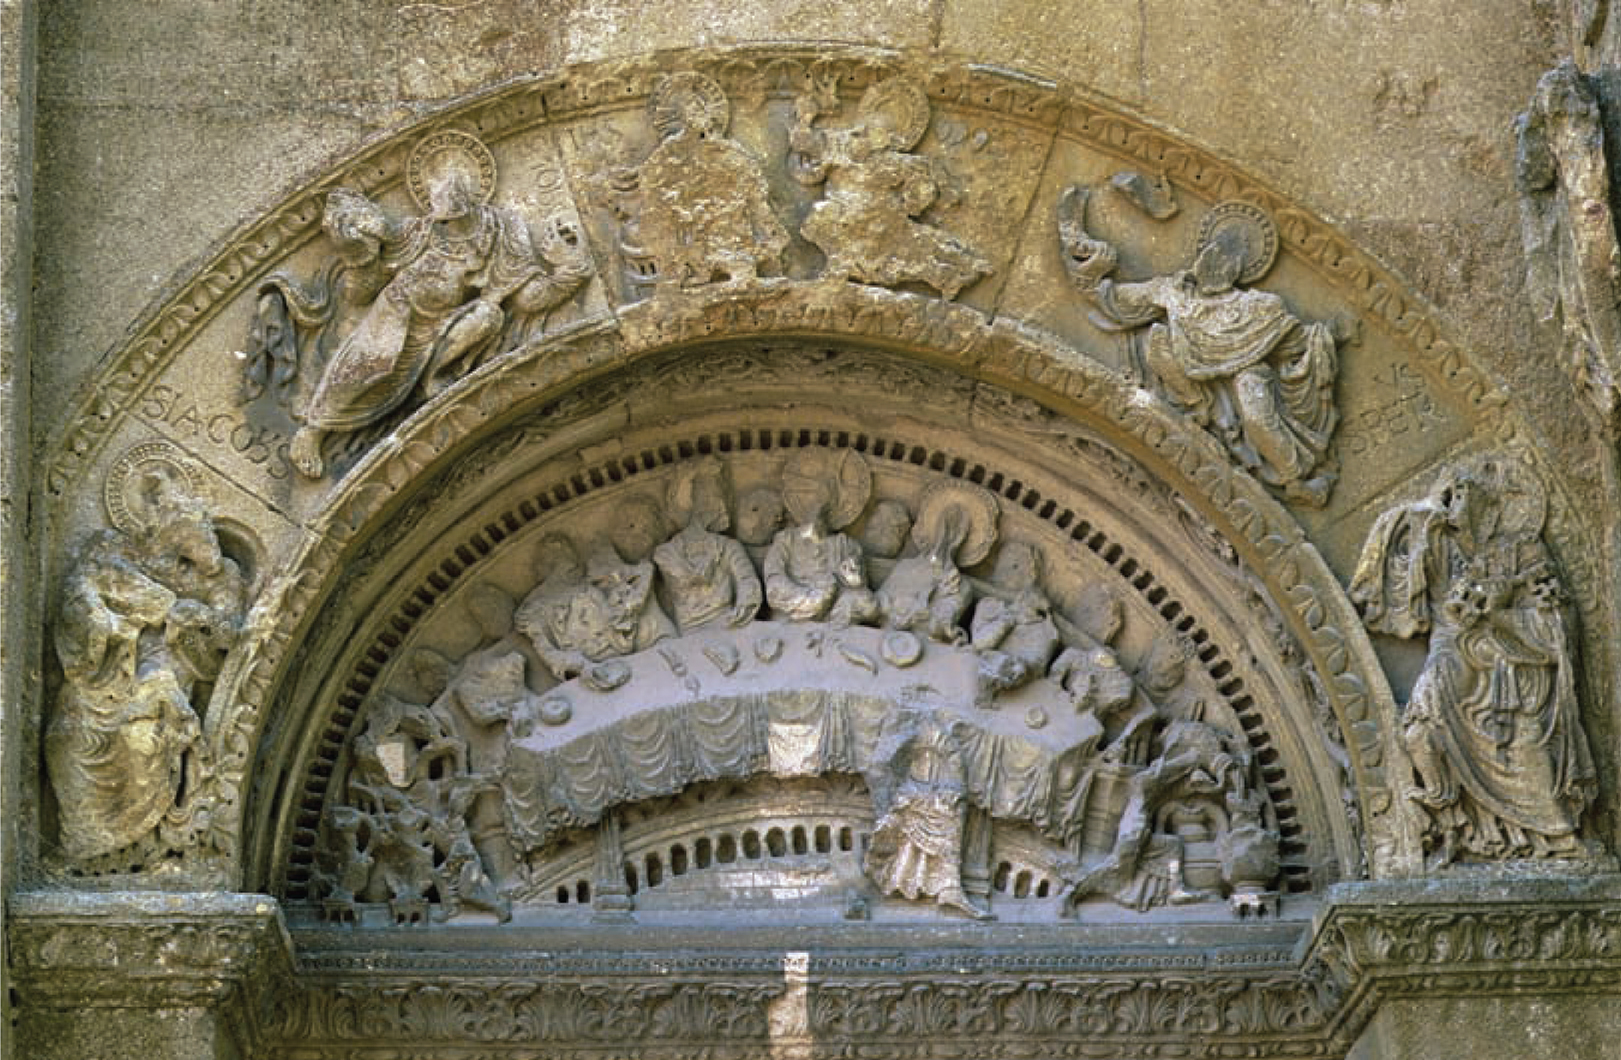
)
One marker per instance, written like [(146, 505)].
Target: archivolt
[(283, 712), (998, 350)]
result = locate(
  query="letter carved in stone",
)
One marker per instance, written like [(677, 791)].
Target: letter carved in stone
[(874, 189), (1501, 763), (412, 303), (1234, 359), (148, 613)]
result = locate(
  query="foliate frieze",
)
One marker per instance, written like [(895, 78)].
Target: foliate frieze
[(1097, 1016), (1381, 940), (123, 949), (585, 1015)]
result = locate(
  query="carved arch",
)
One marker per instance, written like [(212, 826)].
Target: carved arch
[(992, 343), (503, 412)]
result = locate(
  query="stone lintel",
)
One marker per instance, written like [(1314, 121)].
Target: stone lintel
[(212, 976)]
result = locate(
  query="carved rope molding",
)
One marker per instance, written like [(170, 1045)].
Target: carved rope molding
[(1001, 353), (1324, 622)]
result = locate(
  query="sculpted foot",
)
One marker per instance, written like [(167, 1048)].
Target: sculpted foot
[(305, 453), (955, 898)]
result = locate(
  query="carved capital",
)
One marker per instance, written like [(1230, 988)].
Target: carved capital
[(147, 950), (1464, 936)]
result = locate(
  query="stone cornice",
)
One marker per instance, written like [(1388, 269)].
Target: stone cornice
[(1463, 936), (902, 993), (148, 950)]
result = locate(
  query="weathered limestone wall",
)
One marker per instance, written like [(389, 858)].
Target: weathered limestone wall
[(166, 126), (1577, 1028), (19, 626)]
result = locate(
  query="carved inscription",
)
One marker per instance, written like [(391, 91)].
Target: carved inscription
[(1406, 409), (227, 430)]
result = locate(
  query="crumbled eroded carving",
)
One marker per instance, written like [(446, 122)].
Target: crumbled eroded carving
[(812, 571), (1234, 359), (1571, 250), (979, 750), (920, 796), (696, 211), (1500, 763), (148, 612), (926, 592), (409, 304), (1199, 788), (874, 189)]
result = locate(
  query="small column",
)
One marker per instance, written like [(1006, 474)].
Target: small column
[(610, 894), (976, 856)]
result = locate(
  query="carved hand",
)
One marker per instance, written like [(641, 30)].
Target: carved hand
[(1086, 259)]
